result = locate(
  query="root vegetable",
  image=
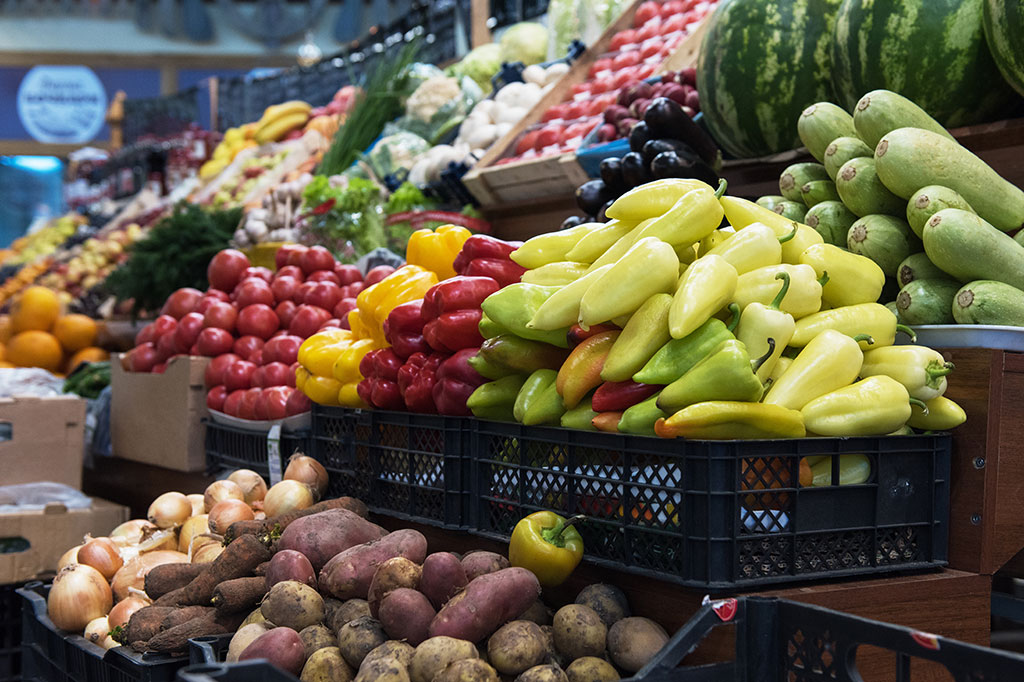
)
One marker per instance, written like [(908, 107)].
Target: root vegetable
[(442, 578), (168, 577), (218, 491), (359, 637), (608, 601), (633, 642), (286, 497), (319, 537), (183, 615), (349, 573), (538, 613), (316, 637), (145, 623), (309, 471), (516, 647), (400, 651), (383, 670), (287, 564), (254, 488), (486, 604), (389, 576), (170, 510), (238, 594), (175, 640), (236, 561), (227, 512), (293, 605), (346, 612), (406, 614), (326, 665), (579, 632), (281, 646), (261, 570), (543, 673), (123, 610), (278, 524), (437, 653), (195, 526), (468, 670), (246, 635), (103, 555), (79, 595), (255, 616), (591, 669), (477, 564), (198, 503)]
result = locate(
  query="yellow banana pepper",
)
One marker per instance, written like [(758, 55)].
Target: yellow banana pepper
[(559, 273), (941, 414), (872, 319), (436, 250), (563, 308), (871, 407), (374, 303), (705, 288), (693, 217), (762, 285), (649, 267), (852, 278), (919, 368), (759, 323), (624, 244), (830, 361), (753, 247), (712, 240), (741, 213), (551, 247), (593, 244), (729, 420), (652, 199)]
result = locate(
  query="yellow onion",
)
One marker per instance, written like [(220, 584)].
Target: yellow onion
[(101, 554), (218, 491), (79, 595), (133, 573), (205, 552), (170, 510), (226, 512), (191, 528), (305, 469), (157, 540), (132, 532), (259, 515), (198, 503), (97, 630), (287, 496), (254, 488), (123, 610), (69, 557)]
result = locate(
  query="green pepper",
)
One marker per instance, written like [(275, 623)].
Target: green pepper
[(515, 305), (495, 400), (725, 374), (531, 389), (520, 356), (489, 328), (639, 419), (580, 417), (547, 545), (546, 408), (678, 356)]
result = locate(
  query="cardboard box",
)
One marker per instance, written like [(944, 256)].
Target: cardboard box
[(42, 439), (157, 418), (50, 532)]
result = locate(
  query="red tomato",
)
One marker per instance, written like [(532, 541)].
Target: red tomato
[(603, 84), (651, 30), (285, 311), (283, 252), (650, 48), (256, 271), (333, 323), (549, 135), (627, 37), (673, 24), (276, 373), (216, 294), (595, 107), (341, 310), (352, 290), (645, 12), (581, 88), (626, 59), (214, 341), (226, 268), (257, 358), (555, 113), (221, 315), (324, 276), (600, 65), (308, 319), (205, 302), (576, 130), (377, 274), (233, 402), (251, 291), (216, 397), (293, 271), (258, 320), (295, 255), (239, 375), (316, 258), (188, 329), (146, 335), (285, 288), (321, 294), (274, 402), (246, 346), (577, 109), (283, 348), (141, 358), (159, 368), (528, 140), (646, 71), (214, 373), (181, 302), (623, 78), (250, 401), (347, 274), (165, 324), (297, 403)]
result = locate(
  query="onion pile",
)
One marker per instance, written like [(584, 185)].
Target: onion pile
[(226, 512), (305, 469), (170, 510), (80, 594), (254, 488), (133, 573), (287, 496), (218, 491), (103, 555)]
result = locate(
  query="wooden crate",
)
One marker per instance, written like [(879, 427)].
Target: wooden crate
[(554, 176)]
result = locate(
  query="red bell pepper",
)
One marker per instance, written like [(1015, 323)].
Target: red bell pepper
[(489, 257), (379, 388), (504, 272), (457, 293), (416, 381), (453, 310), (403, 329), (454, 331), (456, 381), (615, 396)]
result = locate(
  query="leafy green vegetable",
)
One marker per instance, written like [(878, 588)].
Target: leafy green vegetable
[(408, 197), (349, 221)]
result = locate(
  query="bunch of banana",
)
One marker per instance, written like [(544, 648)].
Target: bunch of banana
[(235, 140), (280, 119)]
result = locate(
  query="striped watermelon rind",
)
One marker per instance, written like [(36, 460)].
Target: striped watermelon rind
[(1004, 28), (761, 64), (930, 51)]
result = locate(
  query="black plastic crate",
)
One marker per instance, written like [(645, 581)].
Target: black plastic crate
[(55, 656), (411, 466), (718, 514), (10, 633), (246, 671), (230, 447)]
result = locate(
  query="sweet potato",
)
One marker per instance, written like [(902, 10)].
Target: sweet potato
[(486, 604), (477, 564), (390, 575), (145, 623), (183, 615), (277, 524), (236, 561), (239, 594), (288, 564), (175, 640), (349, 573), (168, 577), (320, 536), (281, 646), (261, 569), (406, 614), (443, 577)]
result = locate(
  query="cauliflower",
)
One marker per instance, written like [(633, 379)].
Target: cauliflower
[(430, 96)]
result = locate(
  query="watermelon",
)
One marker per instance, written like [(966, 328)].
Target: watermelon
[(930, 51), (761, 64), (1004, 26)]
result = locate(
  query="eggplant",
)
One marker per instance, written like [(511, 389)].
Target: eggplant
[(671, 164), (572, 221), (639, 136), (602, 217), (634, 170), (592, 195), (611, 173), (655, 147), (666, 119)]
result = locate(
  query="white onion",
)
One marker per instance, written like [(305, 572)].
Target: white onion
[(254, 488), (133, 573), (287, 496), (69, 557), (218, 491), (97, 630), (226, 512), (79, 595), (198, 503), (170, 510), (306, 470), (123, 610), (191, 528), (102, 554), (132, 531)]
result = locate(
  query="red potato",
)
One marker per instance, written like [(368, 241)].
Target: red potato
[(281, 646), (348, 574), (288, 564), (477, 564), (406, 614), (389, 576), (321, 536), (443, 577), (486, 604)]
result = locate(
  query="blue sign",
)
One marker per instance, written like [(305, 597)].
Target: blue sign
[(62, 104)]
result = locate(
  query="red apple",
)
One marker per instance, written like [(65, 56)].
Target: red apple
[(181, 302), (216, 397), (285, 288), (188, 330), (260, 272), (347, 274), (377, 274), (308, 319), (239, 375), (226, 268), (258, 320), (245, 346), (214, 373), (251, 291), (316, 258), (214, 341), (283, 349), (297, 403)]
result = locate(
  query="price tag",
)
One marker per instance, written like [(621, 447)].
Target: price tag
[(274, 454)]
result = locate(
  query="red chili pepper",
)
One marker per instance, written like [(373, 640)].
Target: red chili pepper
[(403, 329), (416, 380), (615, 396), (504, 272), (482, 246), (456, 381)]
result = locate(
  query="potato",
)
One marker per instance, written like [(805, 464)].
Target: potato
[(543, 673), (579, 632), (538, 613), (383, 670), (591, 669), (553, 655), (516, 647), (346, 612), (406, 614), (400, 651), (436, 654), (320, 536), (293, 605), (245, 636), (281, 646), (487, 603), (608, 601), (468, 670), (633, 642), (255, 617), (358, 638), (390, 575), (443, 577), (348, 574), (316, 637), (477, 564), (288, 564), (326, 665)]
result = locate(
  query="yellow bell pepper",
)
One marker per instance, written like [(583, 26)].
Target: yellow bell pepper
[(319, 340), (704, 289), (729, 420), (852, 278), (830, 361), (941, 414), (322, 390), (547, 545), (436, 250), (375, 303), (762, 286), (301, 374), (346, 371), (740, 213)]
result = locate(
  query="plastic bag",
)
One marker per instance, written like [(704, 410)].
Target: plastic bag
[(29, 381), (35, 496)]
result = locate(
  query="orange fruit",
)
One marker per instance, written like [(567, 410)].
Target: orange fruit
[(37, 308), (34, 348), (90, 354), (75, 332)]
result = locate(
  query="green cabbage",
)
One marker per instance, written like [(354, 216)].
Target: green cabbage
[(526, 42), (480, 64)]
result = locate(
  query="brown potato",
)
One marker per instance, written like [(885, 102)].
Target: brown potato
[(346, 612), (543, 673), (579, 632), (383, 670), (591, 669), (608, 601), (255, 617), (516, 647), (468, 670), (477, 564), (538, 613), (406, 614), (400, 651), (552, 653), (633, 642), (389, 576), (316, 637), (358, 638), (326, 665), (436, 654), (293, 605)]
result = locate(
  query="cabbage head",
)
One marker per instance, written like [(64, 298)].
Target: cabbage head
[(525, 42)]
